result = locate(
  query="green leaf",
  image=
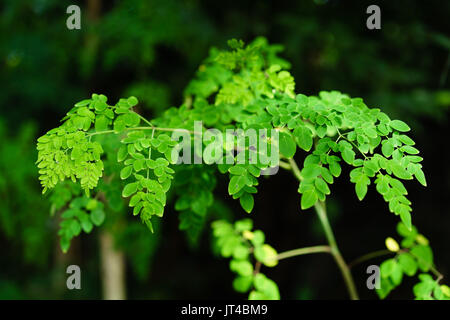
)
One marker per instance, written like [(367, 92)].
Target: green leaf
[(382, 184), (387, 148), (386, 287), (437, 292), (398, 185), (242, 284), (361, 190), (370, 132), (75, 227), (236, 184), (405, 231), (243, 225), (408, 264), (126, 172), (64, 242), (132, 119), (420, 176), (241, 252), (241, 267), (267, 255), (424, 257), (405, 216), (409, 149), (321, 131), (255, 295), (129, 189), (387, 267), (91, 204), (406, 140), (361, 182), (135, 199), (400, 171), (101, 123), (266, 286), (83, 103), (237, 170), (399, 125), (149, 225), (287, 145), (86, 223), (311, 171), (258, 238), (309, 198), (348, 155), (100, 106), (247, 202), (97, 217), (322, 186), (119, 124), (335, 168), (424, 288), (303, 136), (132, 101), (397, 274), (122, 153), (445, 290)]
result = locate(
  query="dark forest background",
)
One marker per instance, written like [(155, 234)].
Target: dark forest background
[(151, 49)]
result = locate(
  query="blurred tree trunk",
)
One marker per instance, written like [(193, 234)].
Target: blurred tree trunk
[(94, 8), (112, 268)]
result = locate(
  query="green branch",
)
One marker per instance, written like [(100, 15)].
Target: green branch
[(143, 128), (322, 214), (302, 251), (369, 256), (346, 274)]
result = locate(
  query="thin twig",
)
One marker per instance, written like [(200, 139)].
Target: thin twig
[(369, 256), (302, 251), (322, 214)]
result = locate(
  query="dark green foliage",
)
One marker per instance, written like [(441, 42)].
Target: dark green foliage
[(23, 218)]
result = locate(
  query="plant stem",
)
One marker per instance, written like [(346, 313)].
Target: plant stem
[(295, 169), (142, 128), (284, 165), (145, 120), (321, 212), (369, 256), (303, 251)]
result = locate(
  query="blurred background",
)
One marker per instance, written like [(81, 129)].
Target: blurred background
[(151, 49)]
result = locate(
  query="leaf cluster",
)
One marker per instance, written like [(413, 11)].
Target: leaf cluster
[(238, 242), (413, 257)]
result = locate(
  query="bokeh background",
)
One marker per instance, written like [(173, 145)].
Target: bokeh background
[(151, 49)]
